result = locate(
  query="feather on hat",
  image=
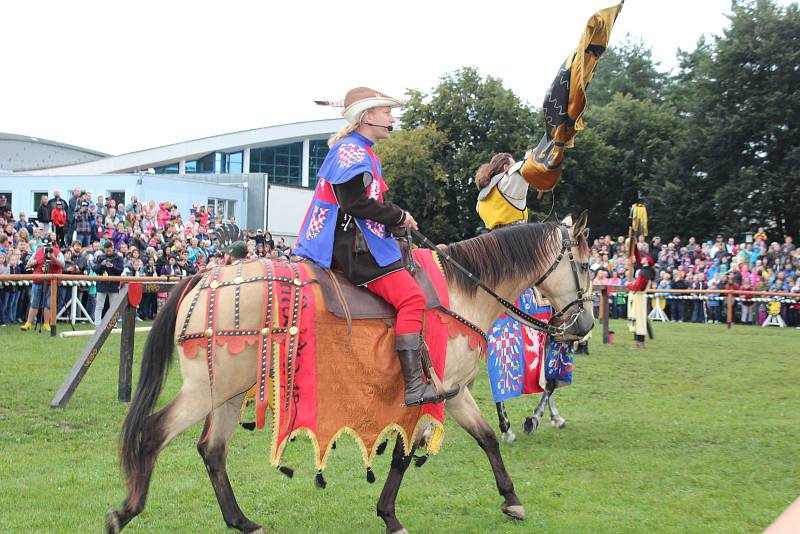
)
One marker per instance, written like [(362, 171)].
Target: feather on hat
[(359, 100)]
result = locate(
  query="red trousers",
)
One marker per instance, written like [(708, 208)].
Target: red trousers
[(401, 291)]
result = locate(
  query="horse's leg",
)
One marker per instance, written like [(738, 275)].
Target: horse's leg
[(188, 407), (555, 418), (214, 451), (505, 424), (531, 423), (465, 411), (386, 502)]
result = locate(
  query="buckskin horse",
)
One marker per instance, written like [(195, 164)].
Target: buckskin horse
[(552, 255)]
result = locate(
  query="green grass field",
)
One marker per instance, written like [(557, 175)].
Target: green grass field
[(698, 433)]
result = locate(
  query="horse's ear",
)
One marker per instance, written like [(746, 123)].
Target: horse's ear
[(567, 220), (580, 224)]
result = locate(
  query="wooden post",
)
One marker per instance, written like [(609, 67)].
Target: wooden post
[(53, 306), (126, 353), (90, 351), (604, 312), (730, 309), (117, 307)]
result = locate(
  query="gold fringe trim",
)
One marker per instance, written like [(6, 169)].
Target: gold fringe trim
[(432, 445), (438, 260)]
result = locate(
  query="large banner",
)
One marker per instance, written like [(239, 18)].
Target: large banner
[(565, 102)]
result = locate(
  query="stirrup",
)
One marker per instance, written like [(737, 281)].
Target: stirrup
[(437, 398)]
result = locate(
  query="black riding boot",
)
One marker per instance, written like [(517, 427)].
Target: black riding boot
[(416, 390)]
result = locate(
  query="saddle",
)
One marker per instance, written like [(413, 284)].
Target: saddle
[(342, 296)]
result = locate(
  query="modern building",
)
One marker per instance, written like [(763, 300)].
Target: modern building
[(265, 176)]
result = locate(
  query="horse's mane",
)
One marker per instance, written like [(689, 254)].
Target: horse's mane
[(502, 254)]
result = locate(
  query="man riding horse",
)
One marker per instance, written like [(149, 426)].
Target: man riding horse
[(348, 227)]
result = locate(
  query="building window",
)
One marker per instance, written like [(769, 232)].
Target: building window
[(222, 208), (317, 150), (233, 163), (204, 165), (118, 196), (171, 168), (283, 164), (36, 201)]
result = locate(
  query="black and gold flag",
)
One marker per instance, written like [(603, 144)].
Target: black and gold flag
[(565, 102)]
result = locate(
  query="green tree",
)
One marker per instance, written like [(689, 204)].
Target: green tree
[(629, 70), (416, 179), (478, 117), (740, 158), (615, 159)]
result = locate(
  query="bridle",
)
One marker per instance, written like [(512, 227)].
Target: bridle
[(582, 295)]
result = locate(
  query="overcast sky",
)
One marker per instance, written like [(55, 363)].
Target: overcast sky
[(119, 76)]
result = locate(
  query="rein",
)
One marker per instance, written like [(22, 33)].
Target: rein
[(514, 311)]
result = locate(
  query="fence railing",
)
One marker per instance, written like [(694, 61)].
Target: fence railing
[(728, 295), (150, 284), (155, 284)]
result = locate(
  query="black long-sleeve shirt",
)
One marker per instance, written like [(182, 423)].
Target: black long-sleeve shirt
[(117, 266), (350, 253)]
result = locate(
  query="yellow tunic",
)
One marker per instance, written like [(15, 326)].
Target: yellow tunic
[(502, 201)]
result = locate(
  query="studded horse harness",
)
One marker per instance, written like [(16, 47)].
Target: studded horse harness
[(271, 330)]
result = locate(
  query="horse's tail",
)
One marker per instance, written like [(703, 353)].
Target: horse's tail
[(139, 434)]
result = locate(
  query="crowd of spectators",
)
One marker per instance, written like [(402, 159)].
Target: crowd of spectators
[(96, 236), (754, 265)]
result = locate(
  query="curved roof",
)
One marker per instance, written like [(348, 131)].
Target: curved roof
[(193, 149), (25, 152)]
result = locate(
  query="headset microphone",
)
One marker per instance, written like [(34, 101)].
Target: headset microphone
[(388, 128)]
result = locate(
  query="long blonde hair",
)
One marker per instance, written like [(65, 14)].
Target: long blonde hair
[(341, 134), (494, 167)]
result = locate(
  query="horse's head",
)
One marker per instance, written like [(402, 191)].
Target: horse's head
[(568, 283)]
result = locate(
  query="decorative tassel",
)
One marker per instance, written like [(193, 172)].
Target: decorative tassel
[(419, 461), (249, 426), (381, 448), (320, 480), (288, 471), (370, 475)]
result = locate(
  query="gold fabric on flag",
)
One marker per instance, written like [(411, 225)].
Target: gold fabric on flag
[(565, 102)]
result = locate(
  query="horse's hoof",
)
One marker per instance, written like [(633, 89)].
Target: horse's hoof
[(509, 436), (515, 511), (259, 530), (558, 423), (401, 531), (112, 523), (530, 425)]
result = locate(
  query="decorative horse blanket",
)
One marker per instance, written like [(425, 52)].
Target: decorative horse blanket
[(521, 359), (320, 375)]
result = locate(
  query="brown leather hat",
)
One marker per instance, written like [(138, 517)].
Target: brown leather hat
[(360, 99)]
